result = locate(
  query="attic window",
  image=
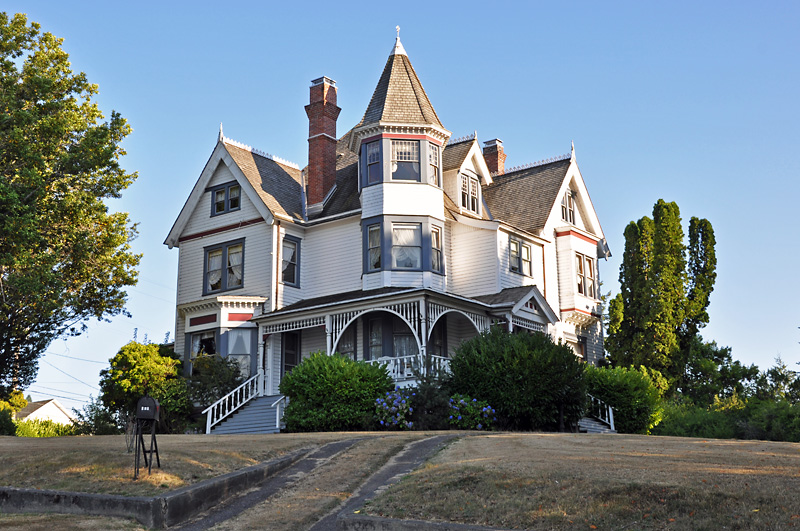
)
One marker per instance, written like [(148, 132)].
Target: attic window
[(225, 198), (568, 207), (405, 160), (469, 193)]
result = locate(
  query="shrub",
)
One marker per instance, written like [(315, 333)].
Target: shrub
[(7, 426), (330, 393), (212, 378), (532, 382), (470, 413), (393, 410), (431, 404), (632, 393), (95, 419), (138, 370), (43, 428), (688, 420)]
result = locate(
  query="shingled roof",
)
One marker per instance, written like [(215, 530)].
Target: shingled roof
[(278, 185), (399, 96), (454, 154), (525, 198)]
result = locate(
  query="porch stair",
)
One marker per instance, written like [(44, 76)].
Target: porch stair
[(259, 415), (590, 425)]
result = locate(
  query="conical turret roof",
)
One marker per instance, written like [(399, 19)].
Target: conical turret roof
[(399, 96)]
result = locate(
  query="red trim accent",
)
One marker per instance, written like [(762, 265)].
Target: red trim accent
[(239, 316), (584, 312), (203, 319), (220, 229), (577, 235)]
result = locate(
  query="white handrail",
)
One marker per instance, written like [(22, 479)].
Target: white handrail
[(225, 406), (278, 412), (404, 367), (601, 410)]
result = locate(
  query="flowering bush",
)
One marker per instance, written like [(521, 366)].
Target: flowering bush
[(393, 410), (470, 413)]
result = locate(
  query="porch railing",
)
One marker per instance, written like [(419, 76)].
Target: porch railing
[(228, 404), (601, 411), (279, 405), (407, 367)]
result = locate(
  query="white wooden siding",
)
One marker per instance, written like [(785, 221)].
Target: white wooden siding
[(312, 340), (201, 219), (474, 262), (331, 258), (256, 263), (406, 199)]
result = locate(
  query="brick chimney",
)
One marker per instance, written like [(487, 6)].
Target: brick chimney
[(322, 114), (494, 156)]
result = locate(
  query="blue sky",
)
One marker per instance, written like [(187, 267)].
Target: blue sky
[(691, 102)]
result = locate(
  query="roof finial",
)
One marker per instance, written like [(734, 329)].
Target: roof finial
[(572, 152), (221, 136), (398, 46)]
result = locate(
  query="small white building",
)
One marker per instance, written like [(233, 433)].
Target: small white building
[(395, 242), (45, 410)]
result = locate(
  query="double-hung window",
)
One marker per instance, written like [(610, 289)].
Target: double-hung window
[(374, 247), (568, 207), (585, 275), (406, 246), (436, 249), (433, 164), (405, 160), (224, 266), (519, 257), (373, 162), (291, 261), (225, 198), (469, 193)]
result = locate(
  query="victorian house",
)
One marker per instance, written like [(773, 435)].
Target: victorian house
[(393, 245)]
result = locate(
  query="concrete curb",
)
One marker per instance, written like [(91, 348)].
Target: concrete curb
[(356, 522), (159, 511)]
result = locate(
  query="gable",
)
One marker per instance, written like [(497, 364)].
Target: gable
[(272, 187), (585, 215)]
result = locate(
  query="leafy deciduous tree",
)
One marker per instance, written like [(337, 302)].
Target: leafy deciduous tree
[(64, 258)]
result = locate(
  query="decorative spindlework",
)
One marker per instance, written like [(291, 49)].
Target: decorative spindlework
[(298, 324), (527, 324), (534, 164), (251, 149), (435, 311)]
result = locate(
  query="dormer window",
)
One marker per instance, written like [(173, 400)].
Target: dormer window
[(405, 160), (568, 207), (433, 163), (225, 198), (469, 193)]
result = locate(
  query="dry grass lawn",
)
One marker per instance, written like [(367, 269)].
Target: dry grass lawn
[(568, 481), (103, 465)]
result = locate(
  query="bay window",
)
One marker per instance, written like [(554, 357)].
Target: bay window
[(406, 246), (405, 160), (436, 249), (433, 164)]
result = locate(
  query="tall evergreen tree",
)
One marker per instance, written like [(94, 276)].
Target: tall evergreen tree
[(663, 298)]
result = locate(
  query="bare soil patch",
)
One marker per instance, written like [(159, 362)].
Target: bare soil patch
[(103, 465), (566, 481)]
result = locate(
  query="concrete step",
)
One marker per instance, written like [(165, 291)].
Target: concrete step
[(591, 425), (257, 416)]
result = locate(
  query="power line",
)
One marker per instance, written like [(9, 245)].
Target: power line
[(61, 397), (79, 359), (68, 374), (54, 389)]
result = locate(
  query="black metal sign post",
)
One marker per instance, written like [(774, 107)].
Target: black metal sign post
[(147, 411)]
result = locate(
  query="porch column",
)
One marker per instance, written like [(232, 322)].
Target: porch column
[(270, 364), (261, 351), (510, 323), (328, 335), (423, 330)]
